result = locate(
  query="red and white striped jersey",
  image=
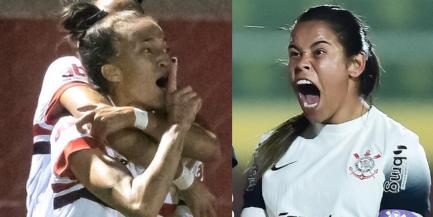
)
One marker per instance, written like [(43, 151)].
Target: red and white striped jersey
[(70, 197), (62, 74)]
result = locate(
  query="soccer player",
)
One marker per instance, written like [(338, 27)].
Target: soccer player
[(342, 156), (112, 50), (66, 87)]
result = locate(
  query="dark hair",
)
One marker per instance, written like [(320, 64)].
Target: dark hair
[(91, 30), (352, 34)]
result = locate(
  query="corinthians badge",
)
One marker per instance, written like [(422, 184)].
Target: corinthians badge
[(364, 166)]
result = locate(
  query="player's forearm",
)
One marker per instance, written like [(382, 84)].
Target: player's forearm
[(81, 96), (136, 147), (200, 144), (152, 186)]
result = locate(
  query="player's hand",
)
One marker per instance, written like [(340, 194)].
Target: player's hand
[(105, 120), (182, 105), (200, 200)]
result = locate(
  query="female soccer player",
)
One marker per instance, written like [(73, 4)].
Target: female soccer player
[(66, 87), (125, 54), (341, 156)]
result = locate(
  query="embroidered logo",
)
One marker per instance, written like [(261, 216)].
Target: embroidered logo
[(364, 166)]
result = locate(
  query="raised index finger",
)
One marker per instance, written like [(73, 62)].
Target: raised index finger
[(172, 77)]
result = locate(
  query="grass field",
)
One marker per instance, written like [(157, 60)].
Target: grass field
[(251, 119)]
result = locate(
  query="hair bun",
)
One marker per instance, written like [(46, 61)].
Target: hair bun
[(79, 17)]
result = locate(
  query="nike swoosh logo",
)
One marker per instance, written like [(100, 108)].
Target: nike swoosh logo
[(275, 168)]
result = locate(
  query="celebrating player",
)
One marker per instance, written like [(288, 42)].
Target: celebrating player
[(66, 88), (342, 156)]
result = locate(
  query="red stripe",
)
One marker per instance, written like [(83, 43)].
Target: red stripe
[(38, 130), (52, 114), (167, 210), (58, 187), (61, 166)]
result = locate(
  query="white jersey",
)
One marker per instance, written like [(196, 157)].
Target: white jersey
[(371, 166), (62, 74)]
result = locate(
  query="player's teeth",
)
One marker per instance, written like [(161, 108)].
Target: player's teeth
[(306, 105), (303, 81)]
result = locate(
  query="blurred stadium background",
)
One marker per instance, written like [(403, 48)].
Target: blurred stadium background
[(199, 34), (402, 31)]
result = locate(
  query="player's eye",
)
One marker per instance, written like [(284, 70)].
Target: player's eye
[(319, 52), (294, 53)]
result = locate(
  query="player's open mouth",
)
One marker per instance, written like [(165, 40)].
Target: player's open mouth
[(162, 82), (309, 94)]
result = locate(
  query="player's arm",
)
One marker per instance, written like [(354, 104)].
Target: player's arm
[(407, 179), (200, 143), (254, 204), (110, 181)]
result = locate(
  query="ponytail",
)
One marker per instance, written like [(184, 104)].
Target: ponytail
[(274, 147), (79, 17)]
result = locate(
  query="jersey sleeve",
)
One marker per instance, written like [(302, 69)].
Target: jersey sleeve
[(62, 74), (254, 204), (407, 178), (65, 141)]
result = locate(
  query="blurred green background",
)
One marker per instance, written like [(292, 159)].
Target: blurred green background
[(402, 31)]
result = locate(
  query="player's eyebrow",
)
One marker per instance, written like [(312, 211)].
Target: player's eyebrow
[(312, 45), (147, 39), (320, 42), (293, 46)]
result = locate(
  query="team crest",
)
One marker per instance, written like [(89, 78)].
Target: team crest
[(364, 166)]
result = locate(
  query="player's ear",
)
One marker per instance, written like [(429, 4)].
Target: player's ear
[(357, 65), (111, 73)]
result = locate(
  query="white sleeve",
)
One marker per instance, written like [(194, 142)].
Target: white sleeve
[(253, 212), (62, 74), (63, 71)]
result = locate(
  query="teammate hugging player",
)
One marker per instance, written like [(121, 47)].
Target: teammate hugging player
[(342, 157), (140, 66)]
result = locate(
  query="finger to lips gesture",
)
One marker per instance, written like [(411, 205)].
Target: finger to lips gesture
[(182, 105)]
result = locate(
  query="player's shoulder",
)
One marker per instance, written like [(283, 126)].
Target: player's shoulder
[(65, 61), (65, 66), (393, 130)]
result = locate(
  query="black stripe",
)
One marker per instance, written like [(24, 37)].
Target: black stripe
[(41, 148), (71, 197)]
